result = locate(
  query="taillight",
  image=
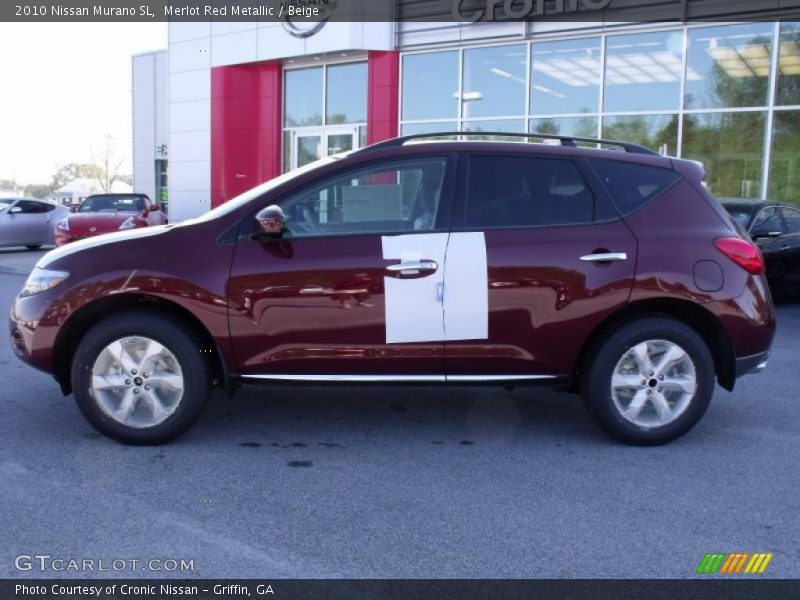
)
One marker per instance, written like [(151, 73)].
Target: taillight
[(743, 253)]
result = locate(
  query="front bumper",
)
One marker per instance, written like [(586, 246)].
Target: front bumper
[(751, 364)]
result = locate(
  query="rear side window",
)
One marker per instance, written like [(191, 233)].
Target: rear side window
[(633, 185), (522, 191)]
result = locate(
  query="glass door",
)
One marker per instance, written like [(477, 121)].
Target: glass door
[(306, 147), (309, 145)]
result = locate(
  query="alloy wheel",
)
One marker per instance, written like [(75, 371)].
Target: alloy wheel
[(653, 383), (137, 382)]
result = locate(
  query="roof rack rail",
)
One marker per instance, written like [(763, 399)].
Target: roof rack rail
[(564, 139)]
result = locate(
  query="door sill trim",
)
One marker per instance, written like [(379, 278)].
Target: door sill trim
[(399, 378)]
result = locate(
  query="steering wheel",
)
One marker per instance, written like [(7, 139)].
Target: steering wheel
[(303, 218)]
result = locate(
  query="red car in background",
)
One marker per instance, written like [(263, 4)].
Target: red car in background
[(106, 213)]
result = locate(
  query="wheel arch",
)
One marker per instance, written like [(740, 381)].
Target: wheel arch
[(79, 323), (705, 323)]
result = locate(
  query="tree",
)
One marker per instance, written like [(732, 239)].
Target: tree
[(109, 164), (73, 171), (8, 184), (42, 191)]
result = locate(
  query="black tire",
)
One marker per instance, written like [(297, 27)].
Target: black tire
[(180, 341), (597, 375), (34, 246)]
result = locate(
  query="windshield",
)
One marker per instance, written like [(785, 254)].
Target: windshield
[(112, 204), (5, 203), (239, 201)]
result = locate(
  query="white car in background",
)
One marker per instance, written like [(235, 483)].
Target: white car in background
[(29, 222)]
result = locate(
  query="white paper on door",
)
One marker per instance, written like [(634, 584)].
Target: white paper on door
[(450, 304)]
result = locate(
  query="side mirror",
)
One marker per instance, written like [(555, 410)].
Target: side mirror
[(765, 233), (271, 221), (14, 210)]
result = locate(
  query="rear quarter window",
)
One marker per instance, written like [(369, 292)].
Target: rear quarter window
[(633, 185)]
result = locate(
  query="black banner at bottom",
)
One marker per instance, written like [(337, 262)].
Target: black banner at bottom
[(407, 589)]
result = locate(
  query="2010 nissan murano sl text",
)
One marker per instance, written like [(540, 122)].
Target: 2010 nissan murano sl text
[(416, 260)]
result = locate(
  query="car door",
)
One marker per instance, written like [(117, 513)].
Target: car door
[(544, 229), (767, 231), (789, 246), (353, 289), (27, 223)]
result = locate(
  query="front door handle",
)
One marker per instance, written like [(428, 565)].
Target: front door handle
[(419, 268), (605, 257)]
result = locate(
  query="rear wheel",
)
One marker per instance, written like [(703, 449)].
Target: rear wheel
[(139, 378), (650, 382)]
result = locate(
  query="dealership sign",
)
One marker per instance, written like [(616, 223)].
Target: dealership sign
[(296, 15), (487, 10)]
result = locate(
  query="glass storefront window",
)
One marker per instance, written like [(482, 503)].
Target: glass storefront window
[(728, 66), (430, 85), (788, 91), (565, 77), (731, 146), (495, 79), (567, 126), (417, 128), (784, 172), (347, 94), (504, 125), (643, 71), (303, 97), (657, 132)]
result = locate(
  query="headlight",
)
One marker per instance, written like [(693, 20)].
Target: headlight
[(41, 280), (63, 224), (129, 223)]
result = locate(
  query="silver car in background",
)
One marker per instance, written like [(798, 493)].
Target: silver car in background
[(29, 222)]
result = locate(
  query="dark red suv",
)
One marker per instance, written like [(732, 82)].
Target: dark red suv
[(416, 261)]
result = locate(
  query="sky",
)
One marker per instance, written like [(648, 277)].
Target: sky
[(65, 87)]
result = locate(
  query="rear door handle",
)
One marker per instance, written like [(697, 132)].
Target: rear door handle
[(605, 257), (413, 269)]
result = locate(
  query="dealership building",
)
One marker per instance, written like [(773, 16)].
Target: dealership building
[(235, 104)]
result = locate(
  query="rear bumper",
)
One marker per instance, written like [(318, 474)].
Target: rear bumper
[(751, 364)]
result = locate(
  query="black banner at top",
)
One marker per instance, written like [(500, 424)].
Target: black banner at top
[(440, 11)]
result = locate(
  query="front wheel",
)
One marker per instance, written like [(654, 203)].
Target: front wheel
[(139, 378), (650, 382)]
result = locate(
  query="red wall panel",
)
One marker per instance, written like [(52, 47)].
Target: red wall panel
[(246, 103), (383, 101)]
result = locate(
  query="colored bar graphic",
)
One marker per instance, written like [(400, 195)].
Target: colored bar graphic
[(733, 563)]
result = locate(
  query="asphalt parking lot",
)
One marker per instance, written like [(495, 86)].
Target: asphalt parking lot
[(402, 482)]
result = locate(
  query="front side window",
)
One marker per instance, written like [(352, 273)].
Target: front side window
[(391, 197), (768, 221), (29, 206), (791, 218), (512, 191)]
